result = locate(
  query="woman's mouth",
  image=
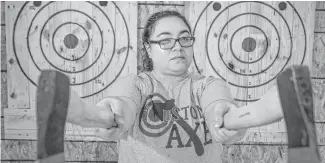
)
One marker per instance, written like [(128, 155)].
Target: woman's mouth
[(180, 57)]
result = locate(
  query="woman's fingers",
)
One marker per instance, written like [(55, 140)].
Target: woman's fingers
[(224, 135), (111, 134)]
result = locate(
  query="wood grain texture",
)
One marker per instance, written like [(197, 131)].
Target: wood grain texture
[(18, 86), (320, 21), (105, 151), (219, 60), (287, 55), (3, 12), (318, 66), (4, 97), (3, 49), (320, 5), (254, 136), (21, 124), (74, 151), (193, 12), (229, 64), (259, 154), (117, 25), (319, 99)]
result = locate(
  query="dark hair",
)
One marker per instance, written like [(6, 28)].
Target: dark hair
[(151, 22)]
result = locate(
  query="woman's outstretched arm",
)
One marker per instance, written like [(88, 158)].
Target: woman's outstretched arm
[(265, 111)]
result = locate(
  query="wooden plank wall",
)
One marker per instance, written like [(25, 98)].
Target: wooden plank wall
[(92, 151), (110, 53), (18, 108)]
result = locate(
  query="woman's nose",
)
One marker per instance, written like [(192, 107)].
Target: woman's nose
[(177, 46)]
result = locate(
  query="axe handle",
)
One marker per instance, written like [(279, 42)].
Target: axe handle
[(265, 111)]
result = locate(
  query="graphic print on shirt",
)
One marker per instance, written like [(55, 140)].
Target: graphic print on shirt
[(159, 115)]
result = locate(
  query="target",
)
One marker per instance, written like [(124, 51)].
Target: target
[(251, 40), (79, 39)]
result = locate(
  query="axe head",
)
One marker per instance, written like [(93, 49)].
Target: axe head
[(296, 96), (52, 105)]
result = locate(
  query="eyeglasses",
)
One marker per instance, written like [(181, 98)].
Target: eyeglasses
[(170, 42)]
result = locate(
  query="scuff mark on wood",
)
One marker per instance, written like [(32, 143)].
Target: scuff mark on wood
[(35, 29), (46, 35), (88, 25), (231, 65), (123, 49)]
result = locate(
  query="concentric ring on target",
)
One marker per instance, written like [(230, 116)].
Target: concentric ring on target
[(220, 54), (232, 37), (73, 58), (100, 51), (32, 79), (275, 11)]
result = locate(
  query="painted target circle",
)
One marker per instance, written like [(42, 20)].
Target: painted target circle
[(42, 45), (71, 41), (76, 38), (246, 44), (250, 42), (231, 47)]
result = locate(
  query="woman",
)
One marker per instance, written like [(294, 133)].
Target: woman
[(165, 114)]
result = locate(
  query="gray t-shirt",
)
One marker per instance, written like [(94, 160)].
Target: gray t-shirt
[(169, 126)]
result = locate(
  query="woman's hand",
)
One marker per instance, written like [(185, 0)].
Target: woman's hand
[(215, 118), (226, 136)]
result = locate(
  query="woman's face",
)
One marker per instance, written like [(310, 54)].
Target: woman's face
[(174, 61)]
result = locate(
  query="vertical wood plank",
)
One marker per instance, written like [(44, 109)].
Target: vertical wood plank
[(3, 49), (34, 37), (319, 99), (318, 65), (220, 60), (18, 88), (304, 43), (3, 38), (275, 51), (129, 36), (107, 23), (320, 22), (300, 52), (199, 29), (4, 97), (235, 70), (3, 4)]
